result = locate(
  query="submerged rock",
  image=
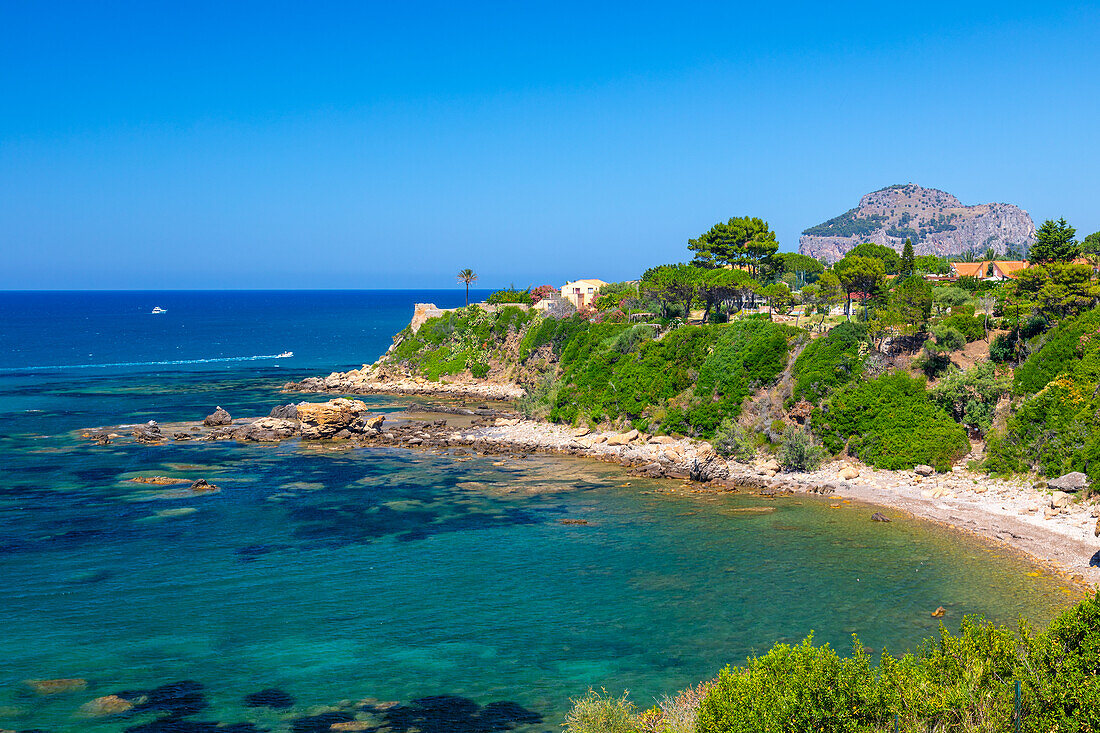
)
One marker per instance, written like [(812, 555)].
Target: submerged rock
[(880, 517), (939, 612), (105, 706), (57, 686)]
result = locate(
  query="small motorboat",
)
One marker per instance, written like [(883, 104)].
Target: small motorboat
[(158, 310), (285, 355)]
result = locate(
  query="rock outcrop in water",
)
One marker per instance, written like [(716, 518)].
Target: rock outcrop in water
[(219, 417), (936, 222)]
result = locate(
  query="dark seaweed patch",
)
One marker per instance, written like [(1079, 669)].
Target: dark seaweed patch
[(270, 697), (453, 714), (176, 725), (177, 699)]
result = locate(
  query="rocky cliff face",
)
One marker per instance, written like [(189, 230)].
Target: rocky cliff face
[(936, 222)]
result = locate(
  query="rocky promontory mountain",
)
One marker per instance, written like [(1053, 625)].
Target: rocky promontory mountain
[(936, 222)]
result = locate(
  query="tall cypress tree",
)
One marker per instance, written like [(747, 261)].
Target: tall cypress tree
[(908, 260)]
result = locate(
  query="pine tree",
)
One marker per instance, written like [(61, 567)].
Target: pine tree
[(1054, 242), (908, 260)]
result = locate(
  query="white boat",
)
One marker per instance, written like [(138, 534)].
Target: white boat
[(285, 355), (158, 309)]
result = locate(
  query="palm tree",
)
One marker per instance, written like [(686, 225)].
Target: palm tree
[(467, 276)]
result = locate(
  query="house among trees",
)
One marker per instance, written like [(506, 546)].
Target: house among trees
[(582, 293), (989, 269)]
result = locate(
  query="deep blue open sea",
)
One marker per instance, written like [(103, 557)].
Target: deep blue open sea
[(410, 590)]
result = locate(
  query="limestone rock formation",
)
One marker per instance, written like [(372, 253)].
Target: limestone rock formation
[(219, 417), (936, 222), (330, 419)]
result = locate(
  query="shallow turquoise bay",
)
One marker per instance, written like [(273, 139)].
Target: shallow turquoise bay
[(409, 576)]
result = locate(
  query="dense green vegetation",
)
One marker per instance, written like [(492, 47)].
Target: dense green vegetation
[(829, 362), (686, 347), (847, 224), (456, 341), (954, 683), (1053, 428), (891, 422), (686, 382)]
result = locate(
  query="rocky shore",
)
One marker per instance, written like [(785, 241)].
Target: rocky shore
[(369, 380), (1056, 528)]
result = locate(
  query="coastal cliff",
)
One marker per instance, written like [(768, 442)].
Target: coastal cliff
[(935, 221)]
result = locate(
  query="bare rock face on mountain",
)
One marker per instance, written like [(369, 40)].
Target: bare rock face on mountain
[(935, 221)]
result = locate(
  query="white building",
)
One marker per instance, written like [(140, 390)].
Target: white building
[(582, 293)]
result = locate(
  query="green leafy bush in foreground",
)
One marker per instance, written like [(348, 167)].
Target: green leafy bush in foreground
[(960, 683), (891, 422)]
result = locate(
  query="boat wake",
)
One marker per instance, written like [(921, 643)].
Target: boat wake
[(174, 362)]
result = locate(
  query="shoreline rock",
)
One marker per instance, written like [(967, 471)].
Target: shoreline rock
[(369, 381)]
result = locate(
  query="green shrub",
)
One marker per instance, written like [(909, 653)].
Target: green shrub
[(799, 452), (890, 422), (954, 683), (479, 369), (601, 712), (1053, 429), (793, 689), (1066, 348), (971, 327), (1003, 348), (828, 362), (971, 396), (730, 440), (511, 295)]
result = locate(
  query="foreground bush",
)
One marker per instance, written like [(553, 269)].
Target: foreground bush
[(891, 422), (954, 683)]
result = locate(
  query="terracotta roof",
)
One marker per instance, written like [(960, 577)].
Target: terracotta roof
[(969, 269), (1010, 268), (1005, 268)]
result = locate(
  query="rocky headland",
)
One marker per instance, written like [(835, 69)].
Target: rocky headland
[(936, 222)]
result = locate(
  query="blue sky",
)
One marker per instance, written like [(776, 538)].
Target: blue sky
[(389, 144)]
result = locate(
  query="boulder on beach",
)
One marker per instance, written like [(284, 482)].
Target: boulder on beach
[(218, 417), (1070, 482), (848, 473), (709, 466), (1060, 500), (923, 470)]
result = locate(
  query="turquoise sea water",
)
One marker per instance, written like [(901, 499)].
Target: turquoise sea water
[(445, 586)]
